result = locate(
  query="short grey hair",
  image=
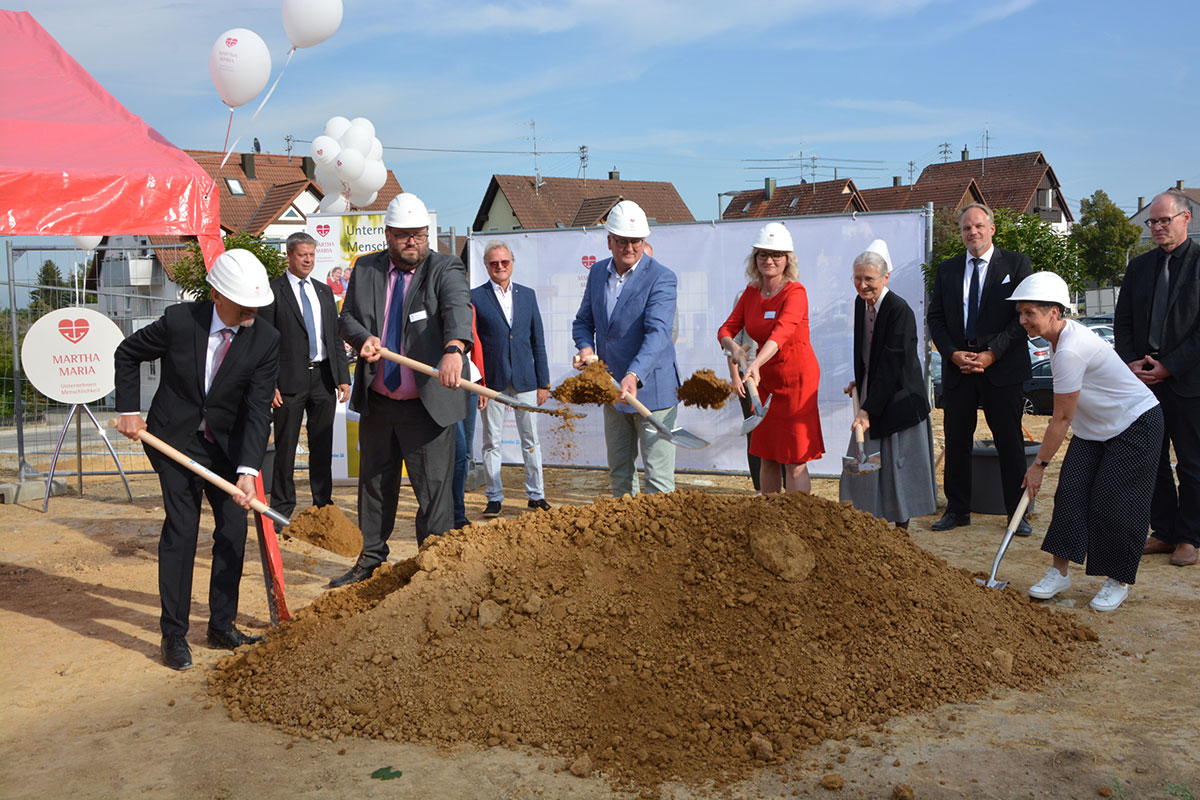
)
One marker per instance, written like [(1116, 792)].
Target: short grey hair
[(496, 244), (298, 238), (1181, 201), (871, 258), (990, 216)]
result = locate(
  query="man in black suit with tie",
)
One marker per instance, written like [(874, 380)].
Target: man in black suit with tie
[(313, 375), (986, 360), (213, 404), (415, 303), (1157, 331)]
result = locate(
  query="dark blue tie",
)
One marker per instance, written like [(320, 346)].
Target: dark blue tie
[(310, 323), (391, 370), (973, 302)]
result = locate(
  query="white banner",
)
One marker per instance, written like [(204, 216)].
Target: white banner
[(343, 237), (710, 260)]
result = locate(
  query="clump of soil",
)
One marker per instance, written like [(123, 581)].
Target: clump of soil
[(682, 636), (705, 389), (592, 386), (327, 528)]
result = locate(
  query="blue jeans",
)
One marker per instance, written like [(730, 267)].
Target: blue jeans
[(464, 435)]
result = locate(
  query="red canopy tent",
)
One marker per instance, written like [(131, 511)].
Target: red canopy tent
[(74, 161)]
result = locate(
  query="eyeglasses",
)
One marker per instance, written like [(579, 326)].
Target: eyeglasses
[(503, 263), (767, 256), (621, 244), (411, 237), (1163, 221)]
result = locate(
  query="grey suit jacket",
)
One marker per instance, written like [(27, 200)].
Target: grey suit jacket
[(436, 310)]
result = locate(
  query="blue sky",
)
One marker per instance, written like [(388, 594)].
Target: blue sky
[(683, 91)]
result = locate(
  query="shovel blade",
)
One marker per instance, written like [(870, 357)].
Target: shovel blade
[(514, 402), (992, 584), (750, 423), (687, 440)]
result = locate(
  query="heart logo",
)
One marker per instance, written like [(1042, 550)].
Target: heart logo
[(588, 261), (230, 41), (73, 330), (323, 230)]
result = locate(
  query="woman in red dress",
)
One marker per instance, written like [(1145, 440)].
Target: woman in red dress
[(774, 311)]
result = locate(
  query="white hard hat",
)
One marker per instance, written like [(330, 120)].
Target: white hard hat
[(406, 211), (1043, 287), (627, 219), (774, 236), (879, 247), (241, 277)]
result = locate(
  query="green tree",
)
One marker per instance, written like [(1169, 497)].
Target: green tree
[(1104, 236), (51, 293), (191, 274)]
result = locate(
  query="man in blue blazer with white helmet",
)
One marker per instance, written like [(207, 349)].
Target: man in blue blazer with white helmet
[(626, 318)]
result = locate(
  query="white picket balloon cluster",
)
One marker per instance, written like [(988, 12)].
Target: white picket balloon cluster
[(350, 168)]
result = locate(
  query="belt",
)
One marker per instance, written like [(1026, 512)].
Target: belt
[(976, 345), (316, 364)]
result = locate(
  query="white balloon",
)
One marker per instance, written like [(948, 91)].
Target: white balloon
[(373, 178), (376, 153), (310, 22), (350, 165), (325, 149), (360, 197), (327, 178), (357, 138), (88, 243), (363, 122), (336, 126), (240, 66), (333, 204)]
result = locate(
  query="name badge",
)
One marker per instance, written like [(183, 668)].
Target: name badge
[(768, 315), (417, 316)]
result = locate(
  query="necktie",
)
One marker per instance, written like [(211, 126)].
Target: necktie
[(218, 357), (310, 322), (870, 325), (391, 370), (973, 302), (1158, 311)]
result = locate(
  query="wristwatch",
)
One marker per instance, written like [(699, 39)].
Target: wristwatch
[(1041, 463), (452, 348)]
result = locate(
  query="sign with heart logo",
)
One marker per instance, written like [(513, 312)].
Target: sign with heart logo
[(323, 230), (230, 41), (73, 330), (588, 261)]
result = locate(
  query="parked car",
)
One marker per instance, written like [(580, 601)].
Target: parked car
[(1039, 348), (1096, 319), (1037, 393), (1105, 332)]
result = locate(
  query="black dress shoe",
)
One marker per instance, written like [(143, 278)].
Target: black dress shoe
[(950, 521), (493, 509), (359, 572), (176, 653), (1023, 528), (230, 639), (462, 523), (539, 505)]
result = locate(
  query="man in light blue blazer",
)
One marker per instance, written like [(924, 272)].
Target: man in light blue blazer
[(514, 361), (626, 318)]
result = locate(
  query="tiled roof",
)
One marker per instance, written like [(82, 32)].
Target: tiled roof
[(951, 194), (560, 200), (1007, 181), (824, 197), (276, 201), (169, 256), (594, 210)]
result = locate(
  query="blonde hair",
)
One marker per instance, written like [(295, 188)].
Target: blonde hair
[(754, 278)]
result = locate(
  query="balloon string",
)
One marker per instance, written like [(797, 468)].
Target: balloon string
[(271, 91), (227, 150)]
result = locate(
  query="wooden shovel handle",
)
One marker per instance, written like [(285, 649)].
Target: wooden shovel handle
[(1020, 512), (422, 367)]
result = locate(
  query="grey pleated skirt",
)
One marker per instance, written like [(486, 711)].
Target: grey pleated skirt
[(905, 486)]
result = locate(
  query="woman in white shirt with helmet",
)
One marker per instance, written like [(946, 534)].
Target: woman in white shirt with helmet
[(1102, 505)]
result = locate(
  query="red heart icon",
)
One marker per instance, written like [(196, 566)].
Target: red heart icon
[(588, 261), (73, 330), (323, 230), (230, 41)]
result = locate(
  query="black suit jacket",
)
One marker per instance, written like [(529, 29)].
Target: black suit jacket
[(439, 297), (238, 404), (287, 318), (998, 325), (1180, 347), (896, 388)]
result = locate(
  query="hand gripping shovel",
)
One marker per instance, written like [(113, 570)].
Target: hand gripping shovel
[(470, 386), (758, 407), (678, 436), (859, 464), (1017, 516)]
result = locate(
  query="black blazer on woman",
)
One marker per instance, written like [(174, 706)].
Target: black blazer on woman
[(895, 389)]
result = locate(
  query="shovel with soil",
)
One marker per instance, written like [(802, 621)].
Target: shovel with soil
[(676, 436), (860, 481), (1017, 516)]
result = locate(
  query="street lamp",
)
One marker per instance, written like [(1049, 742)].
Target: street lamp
[(730, 193)]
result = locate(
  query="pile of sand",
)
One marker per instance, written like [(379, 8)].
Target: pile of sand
[(705, 389), (328, 528), (592, 386), (688, 636)]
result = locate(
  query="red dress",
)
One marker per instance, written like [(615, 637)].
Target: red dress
[(791, 431)]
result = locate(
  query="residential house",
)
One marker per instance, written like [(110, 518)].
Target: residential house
[(953, 194), (1023, 182), (823, 197), (1140, 216)]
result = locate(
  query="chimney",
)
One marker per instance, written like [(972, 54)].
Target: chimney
[(1141, 203), (896, 181), (966, 154), (248, 165), (310, 168), (769, 188), (613, 175), (1179, 185)]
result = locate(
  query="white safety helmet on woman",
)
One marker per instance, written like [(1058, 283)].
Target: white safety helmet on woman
[(627, 219), (1042, 287), (775, 237), (239, 276)]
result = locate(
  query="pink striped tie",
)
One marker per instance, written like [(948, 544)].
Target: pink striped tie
[(218, 357)]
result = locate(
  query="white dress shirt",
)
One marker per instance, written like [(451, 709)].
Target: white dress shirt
[(505, 298), (983, 268), (616, 282), (294, 282)]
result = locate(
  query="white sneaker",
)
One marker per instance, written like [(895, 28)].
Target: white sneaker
[(1110, 596), (1052, 584)]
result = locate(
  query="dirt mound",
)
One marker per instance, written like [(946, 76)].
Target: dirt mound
[(705, 389), (328, 528), (686, 635), (591, 386)]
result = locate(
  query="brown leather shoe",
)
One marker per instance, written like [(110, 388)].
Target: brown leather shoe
[(1155, 545), (1185, 555)]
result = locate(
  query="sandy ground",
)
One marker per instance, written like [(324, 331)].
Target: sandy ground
[(90, 712)]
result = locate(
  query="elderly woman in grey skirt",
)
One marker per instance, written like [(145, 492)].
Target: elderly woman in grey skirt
[(894, 412)]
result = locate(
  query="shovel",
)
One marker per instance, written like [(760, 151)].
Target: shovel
[(859, 464), (677, 436), (758, 407), (470, 386), (991, 582), (860, 474)]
